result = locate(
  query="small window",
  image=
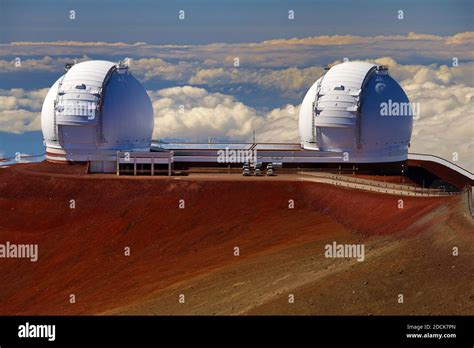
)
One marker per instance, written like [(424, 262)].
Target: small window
[(339, 88), (81, 86)]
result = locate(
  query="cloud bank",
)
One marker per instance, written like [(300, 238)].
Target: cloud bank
[(20, 110), (194, 113)]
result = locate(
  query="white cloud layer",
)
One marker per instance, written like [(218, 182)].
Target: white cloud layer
[(191, 112), (20, 109), (280, 53)]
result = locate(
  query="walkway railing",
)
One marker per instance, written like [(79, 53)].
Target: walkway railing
[(378, 186), (145, 158), (442, 161)]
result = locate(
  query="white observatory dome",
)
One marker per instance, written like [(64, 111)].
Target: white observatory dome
[(359, 111), (95, 109)]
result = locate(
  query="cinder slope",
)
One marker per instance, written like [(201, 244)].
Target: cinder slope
[(191, 251)]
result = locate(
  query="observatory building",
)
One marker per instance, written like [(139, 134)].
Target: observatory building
[(94, 110), (349, 110), (355, 117)]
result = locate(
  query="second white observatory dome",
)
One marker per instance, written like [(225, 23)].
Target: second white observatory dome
[(349, 111)]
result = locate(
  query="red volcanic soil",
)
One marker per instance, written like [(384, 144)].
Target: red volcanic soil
[(190, 250)]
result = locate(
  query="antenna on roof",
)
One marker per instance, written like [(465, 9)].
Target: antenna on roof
[(68, 66)]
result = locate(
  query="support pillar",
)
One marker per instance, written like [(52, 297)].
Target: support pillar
[(118, 163)]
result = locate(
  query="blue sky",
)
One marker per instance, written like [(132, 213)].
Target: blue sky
[(209, 21)]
